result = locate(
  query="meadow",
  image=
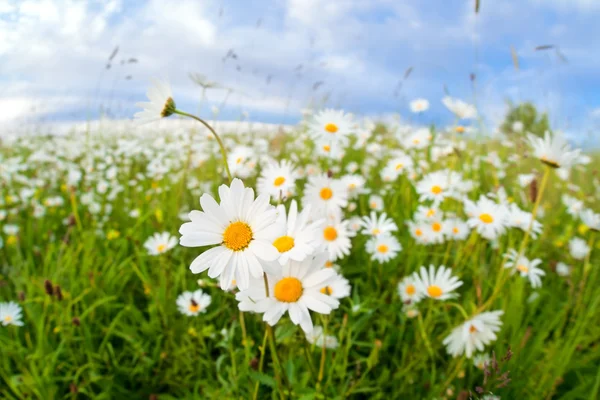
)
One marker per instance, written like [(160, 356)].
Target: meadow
[(97, 303)]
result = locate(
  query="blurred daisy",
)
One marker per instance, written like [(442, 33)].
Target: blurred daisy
[(578, 248), (437, 185), (518, 218), (160, 243), (553, 151), (574, 206), (326, 196), (407, 290), (481, 360), (383, 248), (376, 202), (335, 237), (459, 108), (355, 185), (419, 231), (295, 289), (563, 269), (277, 180), (244, 229), (437, 284), (474, 334), (488, 218), (591, 219), (317, 338), (297, 238), (11, 314), (193, 303), (374, 225), (339, 287), (457, 229), (419, 105), (526, 268), (332, 126), (161, 103)]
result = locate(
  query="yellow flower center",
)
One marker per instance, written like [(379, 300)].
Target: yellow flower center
[(472, 329), (280, 180), (7, 319), (431, 213), (455, 230), (382, 248), (326, 193), (522, 268), (436, 226), (436, 189), (416, 141), (410, 290), (328, 264), (284, 243), (194, 307), (460, 129), (288, 290), (418, 232), (237, 236), (327, 290), (434, 291), (352, 186), (399, 166), (376, 231), (373, 204), (239, 160), (330, 233), (327, 148), (486, 218), (161, 247), (331, 128)]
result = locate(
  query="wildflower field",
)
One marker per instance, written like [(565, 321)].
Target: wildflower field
[(340, 258)]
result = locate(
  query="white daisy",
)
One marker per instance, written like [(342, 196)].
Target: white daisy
[(563, 269), (193, 303), (437, 284), (419, 105), (461, 109), (553, 151), (383, 248), (438, 185), (376, 225), (332, 126), (488, 218), (298, 237), (420, 231), (481, 360), (590, 219), (161, 103), (578, 248), (244, 229), (574, 206), (295, 289), (11, 314), (355, 185), (525, 267), (518, 218), (407, 290), (277, 180), (339, 287), (457, 229), (325, 195), (474, 334), (317, 338), (335, 237), (160, 243), (376, 202)]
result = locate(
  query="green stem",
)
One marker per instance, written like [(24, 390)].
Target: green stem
[(210, 128)]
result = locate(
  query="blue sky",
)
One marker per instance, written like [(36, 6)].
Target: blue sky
[(53, 55)]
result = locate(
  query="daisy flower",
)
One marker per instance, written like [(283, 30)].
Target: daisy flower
[(297, 237), (277, 180), (325, 195), (11, 314), (574, 206), (331, 126), (437, 284), (161, 103), (335, 237), (193, 303), (518, 218), (376, 225), (397, 166), (590, 219), (244, 229), (160, 243), (563, 269), (355, 185), (339, 287), (474, 334), (295, 289), (420, 231), (419, 105), (417, 140), (383, 248), (578, 248), (527, 268), (553, 151), (438, 185), (407, 290), (459, 108), (317, 338), (488, 218), (376, 202), (481, 360), (457, 229)]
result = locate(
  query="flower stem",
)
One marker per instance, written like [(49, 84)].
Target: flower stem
[(210, 128)]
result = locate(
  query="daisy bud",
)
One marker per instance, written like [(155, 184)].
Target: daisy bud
[(76, 321), (48, 287)]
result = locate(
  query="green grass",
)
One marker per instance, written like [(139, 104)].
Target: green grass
[(117, 334)]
